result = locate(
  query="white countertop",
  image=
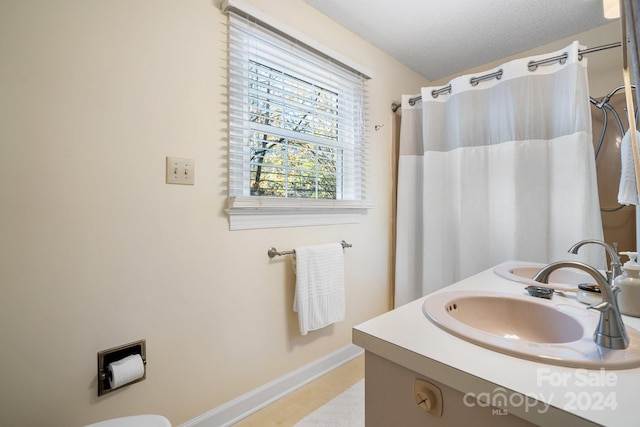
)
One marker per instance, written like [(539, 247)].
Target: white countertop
[(567, 396)]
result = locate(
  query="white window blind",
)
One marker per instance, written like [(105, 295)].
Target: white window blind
[(296, 128)]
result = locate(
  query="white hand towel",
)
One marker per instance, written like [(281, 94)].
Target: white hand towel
[(319, 296), (627, 193)]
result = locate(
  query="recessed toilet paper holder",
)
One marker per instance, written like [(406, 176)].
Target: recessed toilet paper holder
[(106, 357)]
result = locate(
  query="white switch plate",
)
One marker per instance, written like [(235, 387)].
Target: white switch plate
[(180, 171)]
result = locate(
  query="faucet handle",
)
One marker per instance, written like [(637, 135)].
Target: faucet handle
[(609, 274), (615, 250), (601, 306)]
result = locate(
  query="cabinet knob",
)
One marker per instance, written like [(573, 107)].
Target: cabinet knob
[(424, 400), (428, 397)]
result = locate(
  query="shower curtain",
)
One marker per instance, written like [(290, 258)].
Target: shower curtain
[(496, 171)]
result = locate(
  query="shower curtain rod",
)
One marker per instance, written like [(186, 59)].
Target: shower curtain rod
[(532, 66)]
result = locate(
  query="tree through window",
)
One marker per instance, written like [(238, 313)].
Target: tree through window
[(296, 129), (284, 164)]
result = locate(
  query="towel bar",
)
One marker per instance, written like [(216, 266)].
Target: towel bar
[(273, 252)]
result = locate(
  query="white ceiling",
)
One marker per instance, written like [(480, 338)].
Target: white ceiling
[(439, 38)]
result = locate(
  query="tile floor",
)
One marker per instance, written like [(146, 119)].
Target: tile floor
[(295, 406)]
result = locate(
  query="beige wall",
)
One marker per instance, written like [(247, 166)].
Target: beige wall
[(97, 251)]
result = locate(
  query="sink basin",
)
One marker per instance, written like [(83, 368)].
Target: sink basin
[(515, 318), (529, 328), (564, 279)]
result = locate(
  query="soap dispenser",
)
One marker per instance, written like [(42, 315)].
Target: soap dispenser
[(629, 284)]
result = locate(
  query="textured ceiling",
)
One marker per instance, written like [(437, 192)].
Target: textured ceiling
[(439, 38)]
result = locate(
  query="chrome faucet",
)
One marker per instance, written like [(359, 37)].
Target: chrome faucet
[(610, 332), (615, 263)]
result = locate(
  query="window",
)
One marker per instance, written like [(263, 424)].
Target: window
[(294, 136), (296, 126)]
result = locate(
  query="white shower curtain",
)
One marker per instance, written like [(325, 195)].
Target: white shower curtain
[(503, 170)]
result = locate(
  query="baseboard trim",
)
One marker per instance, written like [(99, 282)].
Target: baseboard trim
[(245, 405)]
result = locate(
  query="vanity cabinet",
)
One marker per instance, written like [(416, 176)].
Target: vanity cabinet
[(391, 401), (480, 386)]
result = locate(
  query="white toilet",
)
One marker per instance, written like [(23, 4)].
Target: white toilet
[(135, 421)]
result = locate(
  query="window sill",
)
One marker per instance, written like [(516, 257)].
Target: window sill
[(245, 217)]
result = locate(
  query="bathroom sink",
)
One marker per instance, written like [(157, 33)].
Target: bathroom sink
[(565, 279), (530, 328)]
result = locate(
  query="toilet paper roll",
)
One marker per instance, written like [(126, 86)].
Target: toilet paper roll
[(125, 370)]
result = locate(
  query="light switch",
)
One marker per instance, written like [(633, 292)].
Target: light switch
[(180, 171)]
